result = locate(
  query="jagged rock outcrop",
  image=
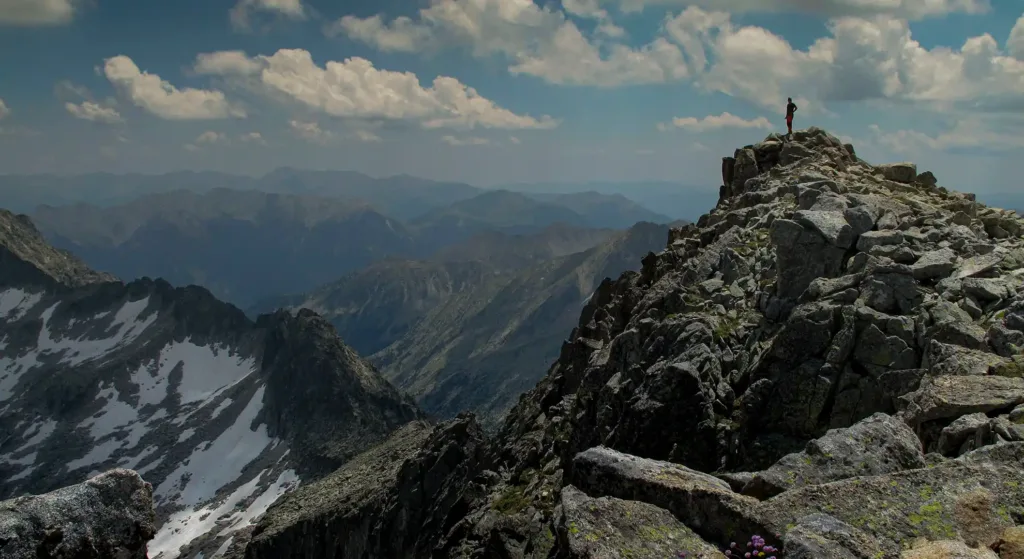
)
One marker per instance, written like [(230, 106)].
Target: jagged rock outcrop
[(25, 256), (108, 516), (392, 501), (826, 342)]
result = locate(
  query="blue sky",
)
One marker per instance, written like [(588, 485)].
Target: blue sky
[(494, 91)]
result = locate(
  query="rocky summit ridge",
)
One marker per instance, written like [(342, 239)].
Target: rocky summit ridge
[(829, 360)]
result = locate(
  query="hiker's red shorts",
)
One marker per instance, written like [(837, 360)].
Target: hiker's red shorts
[(789, 121)]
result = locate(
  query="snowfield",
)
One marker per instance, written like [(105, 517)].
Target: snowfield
[(183, 413)]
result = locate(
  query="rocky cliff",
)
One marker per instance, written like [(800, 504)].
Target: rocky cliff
[(826, 365), (392, 501), (110, 515), (222, 415)]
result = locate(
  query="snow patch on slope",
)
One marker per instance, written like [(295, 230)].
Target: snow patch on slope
[(15, 303), (185, 526), (212, 369), (127, 321), (217, 463)]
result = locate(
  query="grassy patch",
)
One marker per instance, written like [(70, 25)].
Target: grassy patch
[(512, 500)]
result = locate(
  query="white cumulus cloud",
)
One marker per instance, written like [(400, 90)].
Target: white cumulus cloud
[(355, 88), (162, 99), (715, 122), (4, 111), (538, 41), (88, 110), (1015, 44), (37, 12), (861, 59)]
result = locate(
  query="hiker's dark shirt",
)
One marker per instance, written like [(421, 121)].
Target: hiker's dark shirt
[(790, 109)]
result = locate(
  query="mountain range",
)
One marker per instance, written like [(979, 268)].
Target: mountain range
[(247, 245), (400, 196), (827, 364)]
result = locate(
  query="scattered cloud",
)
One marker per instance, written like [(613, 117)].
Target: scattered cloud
[(467, 141), (88, 110), (514, 140), (37, 12), (211, 137), (591, 9), (67, 89), (150, 92), (367, 136), (4, 111), (355, 88), (226, 63), (253, 138), (585, 8), (964, 134), (714, 122), (241, 14), (310, 131), (537, 41), (206, 139), (905, 9), (401, 35)]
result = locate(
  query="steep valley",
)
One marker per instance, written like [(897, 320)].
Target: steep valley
[(477, 325)]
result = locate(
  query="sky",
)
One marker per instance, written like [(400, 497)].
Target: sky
[(500, 91)]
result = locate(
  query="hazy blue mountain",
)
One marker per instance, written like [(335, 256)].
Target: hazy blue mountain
[(400, 196), (246, 245), (676, 200), (603, 209), (242, 245), (499, 210)]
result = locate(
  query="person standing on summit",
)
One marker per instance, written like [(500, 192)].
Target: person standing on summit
[(790, 109)]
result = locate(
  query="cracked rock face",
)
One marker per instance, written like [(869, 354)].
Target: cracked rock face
[(108, 516), (392, 501)]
